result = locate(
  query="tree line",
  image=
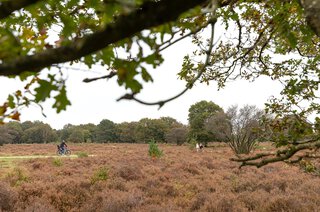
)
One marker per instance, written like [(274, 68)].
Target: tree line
[(241, 128), (163, 130)]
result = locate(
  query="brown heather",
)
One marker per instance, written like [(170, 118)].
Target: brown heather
[(181, 180)]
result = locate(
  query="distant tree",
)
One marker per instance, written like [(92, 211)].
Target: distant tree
[(170, 122), (27, 124), (240, 128), (66, 131), (6, 137), (150, 129), (39, 133), (127, 132), (106, 131), (77, 135), (15, 129), (88, 131), (199, 114), (177, 135)]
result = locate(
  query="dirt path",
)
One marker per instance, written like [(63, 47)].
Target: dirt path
[(35, 156)]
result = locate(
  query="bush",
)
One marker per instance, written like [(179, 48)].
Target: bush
[(154, 150), (102, 174)]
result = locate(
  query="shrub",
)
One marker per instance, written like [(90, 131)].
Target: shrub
[(154, 150), (8, 198), (130, 172), (102, 174), (82, 154), (57, 162)]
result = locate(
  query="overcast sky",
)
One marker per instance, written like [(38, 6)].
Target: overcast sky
[(97, 100)]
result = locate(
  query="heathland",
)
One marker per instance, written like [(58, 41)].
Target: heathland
[(123, 177)]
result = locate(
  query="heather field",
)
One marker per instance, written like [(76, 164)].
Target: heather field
[(122, 177)]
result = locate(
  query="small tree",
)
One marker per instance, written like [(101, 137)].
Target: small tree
[(239, 128), (154, 150)]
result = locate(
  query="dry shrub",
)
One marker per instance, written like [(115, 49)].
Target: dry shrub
[(151, 187), (118, 184), (191, 168), (224, 203), (199, 201), (115, 201), (159, 208), (67, 195), (208, 162), (254, 200), (283, 204), (8, 197), (170, 191), (129, 172), (37, 205), (29, 191)]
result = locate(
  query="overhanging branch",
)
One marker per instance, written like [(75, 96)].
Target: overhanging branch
[(150, 14), (263, 159)]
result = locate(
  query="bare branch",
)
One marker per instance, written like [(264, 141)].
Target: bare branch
[(188, 86), (281, 155), (112, 74)]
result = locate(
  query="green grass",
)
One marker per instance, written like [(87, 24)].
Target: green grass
[(57, 162), (82, 154), (102, 174), (17, 176)]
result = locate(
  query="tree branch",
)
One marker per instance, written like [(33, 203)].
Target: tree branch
[(188, 86), (8, 7), (112, 74), (150, 14), (281, 155)]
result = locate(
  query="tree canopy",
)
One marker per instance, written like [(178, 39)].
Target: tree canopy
[(199, 114), (274, 38)]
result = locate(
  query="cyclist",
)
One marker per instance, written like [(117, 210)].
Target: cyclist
[(63, 147)]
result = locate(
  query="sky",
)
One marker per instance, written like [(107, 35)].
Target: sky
[(93, 102)]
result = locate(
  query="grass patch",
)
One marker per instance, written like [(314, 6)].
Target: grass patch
[(16, 177), (57, 162), (82, 155), (102, 174)]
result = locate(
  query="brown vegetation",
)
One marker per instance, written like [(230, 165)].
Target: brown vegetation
[(122, 177)]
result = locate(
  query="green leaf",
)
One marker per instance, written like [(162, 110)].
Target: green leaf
[(145, 75), (11, 103), (292, 40), (44, 90), (62, 100)]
